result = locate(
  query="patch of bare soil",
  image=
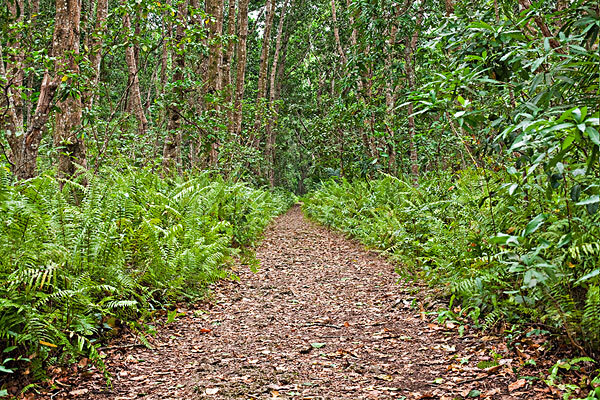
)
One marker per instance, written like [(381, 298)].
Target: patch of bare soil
[(321, 319)]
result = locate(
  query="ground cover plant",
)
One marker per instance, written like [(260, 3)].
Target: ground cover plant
[(78, 261), (504, 264)]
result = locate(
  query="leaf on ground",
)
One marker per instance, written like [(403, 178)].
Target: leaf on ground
[(517, 385), (212, 391), (317, 345)]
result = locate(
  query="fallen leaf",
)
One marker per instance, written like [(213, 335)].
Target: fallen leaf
[(317, 345), (517, 385), (205, 330), (212, 390), (78, 392)]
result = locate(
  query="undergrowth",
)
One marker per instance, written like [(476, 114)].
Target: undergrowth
[(509, 259), (74, 261)]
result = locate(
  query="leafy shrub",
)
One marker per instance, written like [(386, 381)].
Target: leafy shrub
[(542, 267), (127, 243)]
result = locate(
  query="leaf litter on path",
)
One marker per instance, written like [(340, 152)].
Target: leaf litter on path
[(322, 318)]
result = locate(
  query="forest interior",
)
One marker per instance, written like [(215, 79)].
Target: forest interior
[(303, 199)]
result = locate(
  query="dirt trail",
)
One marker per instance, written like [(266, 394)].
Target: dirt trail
[(322, 319)]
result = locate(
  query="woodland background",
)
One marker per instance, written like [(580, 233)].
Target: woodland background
[(145, 140)]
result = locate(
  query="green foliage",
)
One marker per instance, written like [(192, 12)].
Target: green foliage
[(74, 262), (445, 230)]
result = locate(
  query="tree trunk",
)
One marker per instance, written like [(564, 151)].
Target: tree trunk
[(215, 57), (411, 43), (241, 67), (12, 100), (526, 4), (96, 49), (336, 34), (135, 94), (262, 74), (390, 88), (172, 146), (228, 52), (67, 138), (270, 148)]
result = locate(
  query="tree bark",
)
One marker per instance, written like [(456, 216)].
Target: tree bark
[(215, 57), (262, 74), (526, 5), (240, 67), (336, 34), (96, 49), (411, 43), (274, 95), (11, 102), (172, 146), (135, 94), (67, 138), (228, 52)]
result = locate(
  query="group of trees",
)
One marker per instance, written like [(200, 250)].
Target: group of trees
[(284, 92), (162, 83)]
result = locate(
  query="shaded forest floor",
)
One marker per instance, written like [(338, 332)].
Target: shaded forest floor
[(321, 319)]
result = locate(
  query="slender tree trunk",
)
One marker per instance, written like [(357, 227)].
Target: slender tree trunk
[(27, 161), (241, 67), (270, 148), (215, 57), (228, 52), (411, 43), (262, 74), (539, 21), (164, 59), (135, 94), (360, 94), (96, 49), (67, 138), (390, 89), (12, 100), (172, 146), (336, 34)]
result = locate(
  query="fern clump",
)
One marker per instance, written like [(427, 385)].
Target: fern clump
[(126, 243), (507, 259)]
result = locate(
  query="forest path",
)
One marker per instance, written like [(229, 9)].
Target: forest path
[(322, 319)]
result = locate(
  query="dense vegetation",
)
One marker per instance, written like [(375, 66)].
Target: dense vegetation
[(78, 261), (441, 231), (462, 137)]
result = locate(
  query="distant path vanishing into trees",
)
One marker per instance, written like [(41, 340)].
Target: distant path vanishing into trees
[(321, 319)]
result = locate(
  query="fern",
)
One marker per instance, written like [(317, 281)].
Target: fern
[(126, 243)]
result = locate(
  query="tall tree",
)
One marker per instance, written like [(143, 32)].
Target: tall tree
[(236, 126), (228, 53), (261, 95), (134, 91), (68, 137), (172, 145), (273, 97), (96, 48), (215, 8), (410, 45)]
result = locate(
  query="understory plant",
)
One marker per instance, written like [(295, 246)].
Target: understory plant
[(529, 257), (76, 260)]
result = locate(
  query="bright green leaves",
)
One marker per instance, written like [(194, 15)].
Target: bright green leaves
[(535, 224)]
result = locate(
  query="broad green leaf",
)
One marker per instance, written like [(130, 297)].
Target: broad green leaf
[(591, 275), (535, 224), (590, 200), (593, 134)]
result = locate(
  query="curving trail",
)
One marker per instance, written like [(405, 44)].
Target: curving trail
[(322, 319)]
